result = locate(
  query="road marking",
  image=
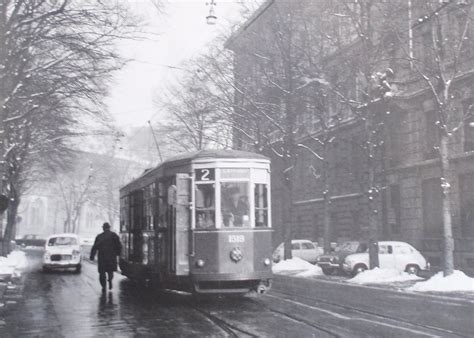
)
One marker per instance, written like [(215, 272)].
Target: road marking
[(339, 316)]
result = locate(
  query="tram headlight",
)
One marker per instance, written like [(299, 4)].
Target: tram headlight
[(267, 261), (200, 263)]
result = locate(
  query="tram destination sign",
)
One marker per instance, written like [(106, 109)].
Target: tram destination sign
[(235, 173)]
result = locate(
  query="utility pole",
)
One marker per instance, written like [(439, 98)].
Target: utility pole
[(156, 142)]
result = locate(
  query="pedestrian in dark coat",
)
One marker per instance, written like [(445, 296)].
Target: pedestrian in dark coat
[(107, 244)]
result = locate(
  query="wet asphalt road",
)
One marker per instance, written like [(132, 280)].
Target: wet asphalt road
[(65, 304)]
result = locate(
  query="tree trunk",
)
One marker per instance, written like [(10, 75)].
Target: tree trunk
[(10, 229), (372, 194), (67, 223), (326, 205), (448, 248), (288, 216)]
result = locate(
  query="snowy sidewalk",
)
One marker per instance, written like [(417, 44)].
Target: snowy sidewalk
[(11, 281)]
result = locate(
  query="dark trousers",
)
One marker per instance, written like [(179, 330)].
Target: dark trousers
[(102, 278)]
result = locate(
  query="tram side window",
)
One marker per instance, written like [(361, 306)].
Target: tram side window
[(149, 193), (161, 212), (261, 205), (235, 207), (136, 210), (205, 205), (124, 216)]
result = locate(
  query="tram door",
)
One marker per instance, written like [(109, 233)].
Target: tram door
[(136, 238), (181, 198)]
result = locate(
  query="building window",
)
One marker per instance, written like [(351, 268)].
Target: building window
[(468, 108), (395, 129), (432, 207), (334, 227), (427, 48), (466, 187), (393, 208), (463, 33), (432, 135)]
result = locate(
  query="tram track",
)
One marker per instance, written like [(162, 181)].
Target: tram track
[(300, 320), (225, 326), (443, 332)]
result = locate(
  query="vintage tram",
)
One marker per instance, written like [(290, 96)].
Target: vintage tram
[(200, 222)]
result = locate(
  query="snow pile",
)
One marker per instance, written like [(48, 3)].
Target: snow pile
[(302, 267), (458, 281), (5, 268), (16, 260), (313, 271), (380, 276)]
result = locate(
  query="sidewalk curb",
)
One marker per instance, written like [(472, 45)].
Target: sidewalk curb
[(285, 280)]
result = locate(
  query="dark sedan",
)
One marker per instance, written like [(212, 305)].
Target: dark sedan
[(332, 263), (30, 241)]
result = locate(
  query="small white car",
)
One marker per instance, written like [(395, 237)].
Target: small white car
[(301, 248), (392, 255), (62, 251)]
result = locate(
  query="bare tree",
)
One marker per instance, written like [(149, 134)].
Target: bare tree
[(55, 60), (439, 46)]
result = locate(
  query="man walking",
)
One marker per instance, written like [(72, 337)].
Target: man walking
[(109, 247)]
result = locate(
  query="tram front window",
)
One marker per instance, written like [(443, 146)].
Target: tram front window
[(234, 205), (205, 206)]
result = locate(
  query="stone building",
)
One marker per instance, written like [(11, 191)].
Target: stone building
[(408, 174)]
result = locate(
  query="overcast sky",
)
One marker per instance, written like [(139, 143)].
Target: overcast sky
[(178, 34)]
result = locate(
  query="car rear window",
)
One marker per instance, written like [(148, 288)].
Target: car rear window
[(56, 241)]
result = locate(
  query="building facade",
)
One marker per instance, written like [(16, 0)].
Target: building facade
[(281, 82)]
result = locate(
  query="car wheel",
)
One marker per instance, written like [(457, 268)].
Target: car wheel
[(328, 271), (412, 269), (78, 268), (359, 268)]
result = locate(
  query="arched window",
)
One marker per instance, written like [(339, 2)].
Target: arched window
[(37, 214)]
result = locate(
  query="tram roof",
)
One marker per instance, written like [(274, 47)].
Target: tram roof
[(215, 153), (188, 157)]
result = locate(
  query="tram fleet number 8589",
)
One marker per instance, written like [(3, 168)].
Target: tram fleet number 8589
[(200, 222)]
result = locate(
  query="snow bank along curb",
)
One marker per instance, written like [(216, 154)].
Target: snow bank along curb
[(12, 265), (457, 282)]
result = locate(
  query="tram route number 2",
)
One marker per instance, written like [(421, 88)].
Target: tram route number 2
[(204, 174), (236, 239)]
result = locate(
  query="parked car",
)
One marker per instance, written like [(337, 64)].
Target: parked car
[(30, 240), (62, 251), (332, 263), (301, 248), (392, 255)]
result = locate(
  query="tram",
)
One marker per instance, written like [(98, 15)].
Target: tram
[(200, 222)]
